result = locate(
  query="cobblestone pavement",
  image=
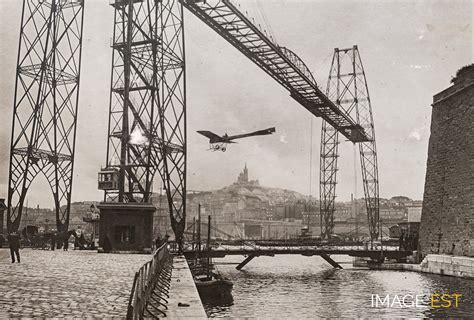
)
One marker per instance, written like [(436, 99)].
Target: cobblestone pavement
[(71, 284)]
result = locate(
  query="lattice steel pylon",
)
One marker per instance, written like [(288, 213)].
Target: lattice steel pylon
[(147, 115), (45, 104), (347, 87)]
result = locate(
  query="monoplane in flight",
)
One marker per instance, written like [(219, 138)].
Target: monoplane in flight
[(220, 142)]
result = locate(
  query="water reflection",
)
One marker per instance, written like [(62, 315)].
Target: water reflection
[(306, 287), (217, 306)]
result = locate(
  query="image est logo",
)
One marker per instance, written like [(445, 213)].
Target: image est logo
[(445, 300)]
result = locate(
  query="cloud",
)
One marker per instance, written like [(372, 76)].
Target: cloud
[(283, 139), (415, 135), (418, 66)]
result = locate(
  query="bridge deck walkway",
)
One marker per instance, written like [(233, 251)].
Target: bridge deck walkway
[(355, 251)]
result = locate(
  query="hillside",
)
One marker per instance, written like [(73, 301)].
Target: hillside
[(265, 194)]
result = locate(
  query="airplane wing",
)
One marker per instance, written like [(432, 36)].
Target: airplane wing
[(255, 133), (210, 135)]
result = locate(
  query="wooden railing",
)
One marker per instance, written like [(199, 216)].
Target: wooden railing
[(151, 286)]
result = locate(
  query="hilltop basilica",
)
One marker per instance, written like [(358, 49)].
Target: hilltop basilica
[(243, 178)]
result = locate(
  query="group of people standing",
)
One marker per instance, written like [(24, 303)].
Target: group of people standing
[(14, 244), (57, 241)]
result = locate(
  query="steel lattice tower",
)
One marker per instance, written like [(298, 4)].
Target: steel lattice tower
[(147, 116), (347, 87), (45, 104)]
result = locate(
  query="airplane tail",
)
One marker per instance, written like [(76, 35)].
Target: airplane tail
[(265, 131)]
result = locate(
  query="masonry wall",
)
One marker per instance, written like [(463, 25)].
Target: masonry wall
[(448, 203)]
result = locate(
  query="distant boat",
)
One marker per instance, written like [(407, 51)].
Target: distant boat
[(212, 286), (209, 282)]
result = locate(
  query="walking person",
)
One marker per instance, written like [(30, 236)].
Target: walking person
[(107, 246), (401, 241), (66, 243), (53, 242), (157, 241), (14, 244), (408, 242)]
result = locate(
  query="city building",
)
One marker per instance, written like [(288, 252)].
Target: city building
[(414, 213)]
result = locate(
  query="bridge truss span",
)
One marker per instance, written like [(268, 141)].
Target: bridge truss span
[(280, 63), (147, 111)]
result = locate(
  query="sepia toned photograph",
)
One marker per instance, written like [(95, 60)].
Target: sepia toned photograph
[(249, 159)]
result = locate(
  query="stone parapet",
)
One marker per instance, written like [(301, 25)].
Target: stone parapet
[(451, 91), (460, 267)]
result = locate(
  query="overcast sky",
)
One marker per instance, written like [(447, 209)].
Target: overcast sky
[(410, 51)]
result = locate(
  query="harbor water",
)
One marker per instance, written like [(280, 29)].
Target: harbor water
[(297, 287)]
